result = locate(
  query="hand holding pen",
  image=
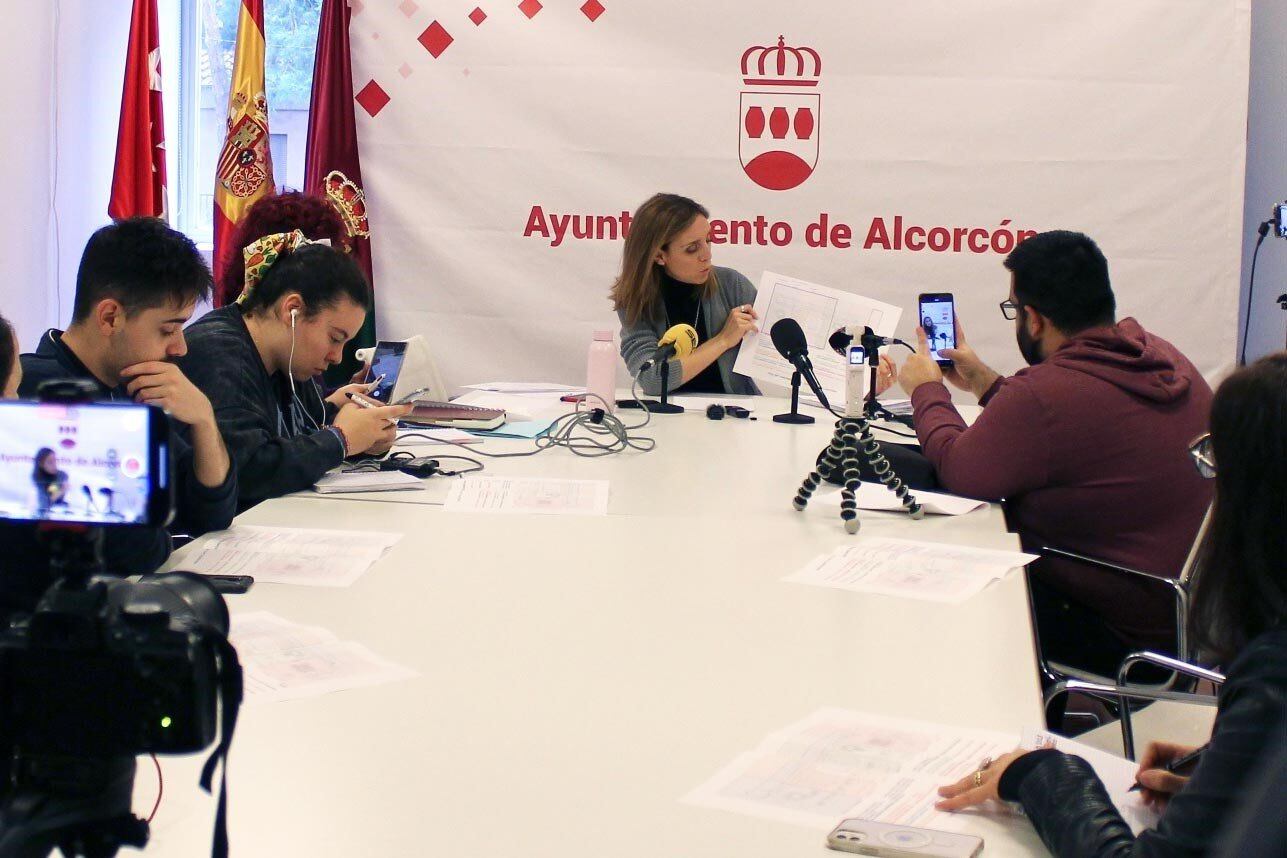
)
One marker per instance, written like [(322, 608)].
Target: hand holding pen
[(1164, 771)]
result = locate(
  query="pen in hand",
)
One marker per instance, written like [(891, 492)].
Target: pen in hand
[(1181, 765)]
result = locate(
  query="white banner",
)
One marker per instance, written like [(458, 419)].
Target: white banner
[(883, 149)]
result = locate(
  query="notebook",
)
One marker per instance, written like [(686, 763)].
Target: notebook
[(429, 413)]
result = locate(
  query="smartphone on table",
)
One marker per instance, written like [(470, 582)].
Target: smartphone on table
[(938, 319), (864, 837)]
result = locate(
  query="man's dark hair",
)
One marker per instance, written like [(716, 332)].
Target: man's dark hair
[(1240, 588), (1064, 276), (141, 263), (319, 273)]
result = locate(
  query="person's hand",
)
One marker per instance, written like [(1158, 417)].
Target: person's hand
[(979, 785), (740, 322), (886, 374), (162, 383), (367, 428), (920, 368), (340, 397), (1159, 784), (360, 376), (967, 371)]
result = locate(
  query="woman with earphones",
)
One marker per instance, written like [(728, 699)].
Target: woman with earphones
[(256, 360)]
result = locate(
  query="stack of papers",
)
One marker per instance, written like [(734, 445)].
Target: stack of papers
[(367, 481), (288, 555), (534, 496), (525, 387), (875, 496), (837, 763), (281, 660), (929, 571), (519, 407)]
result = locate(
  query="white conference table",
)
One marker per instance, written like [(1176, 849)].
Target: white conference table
[(579, 674)]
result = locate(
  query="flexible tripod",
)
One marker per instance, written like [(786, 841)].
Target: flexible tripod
[(851, 437)]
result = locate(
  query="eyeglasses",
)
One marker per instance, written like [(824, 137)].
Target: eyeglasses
[(1203, 458), (1010, 310)]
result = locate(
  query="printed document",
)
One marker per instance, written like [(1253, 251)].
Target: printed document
[(820, 312), (288, 555), (282, 660), (930, 571), (337, 482), (531, 495), (875, 496), (837, 763), (524, 387)]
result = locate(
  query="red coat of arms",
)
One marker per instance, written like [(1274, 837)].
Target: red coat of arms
[(780, 115), (245, 164)]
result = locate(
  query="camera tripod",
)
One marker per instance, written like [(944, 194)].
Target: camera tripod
[(853, 437)]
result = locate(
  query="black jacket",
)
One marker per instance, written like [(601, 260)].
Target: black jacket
[(277, 440), (126, 551), (1071, 811)]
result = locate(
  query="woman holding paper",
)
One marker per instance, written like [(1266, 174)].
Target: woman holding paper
[(1239, 615)]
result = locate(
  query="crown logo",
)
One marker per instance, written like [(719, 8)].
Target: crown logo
[(783, 65), (349, 201)]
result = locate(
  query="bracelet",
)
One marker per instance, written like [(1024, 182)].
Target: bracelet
[(344, 439)]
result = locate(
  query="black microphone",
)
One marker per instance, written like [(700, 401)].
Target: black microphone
[(788, 338), (840, 340)]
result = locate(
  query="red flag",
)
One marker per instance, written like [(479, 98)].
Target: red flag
[(138, 182), (333, 147)]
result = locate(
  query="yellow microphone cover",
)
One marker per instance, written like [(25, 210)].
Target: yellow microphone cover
[(684, 338)]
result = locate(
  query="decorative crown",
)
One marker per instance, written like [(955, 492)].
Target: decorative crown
[(350, 201), (783, 65)]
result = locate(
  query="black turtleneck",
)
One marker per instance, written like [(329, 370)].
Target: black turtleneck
[(683, 307)]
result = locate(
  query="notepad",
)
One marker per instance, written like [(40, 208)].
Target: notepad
[(367, 481), (427, 413)]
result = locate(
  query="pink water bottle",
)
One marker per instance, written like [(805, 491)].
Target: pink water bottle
[(601, 371)]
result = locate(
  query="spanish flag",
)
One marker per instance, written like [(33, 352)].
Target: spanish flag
[(138, 181), (245, 169)]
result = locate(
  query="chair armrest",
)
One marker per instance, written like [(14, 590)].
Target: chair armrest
[(1173, 665), (1103, 564)]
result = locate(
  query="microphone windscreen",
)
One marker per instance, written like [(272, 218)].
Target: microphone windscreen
[(839, 341), (788, 338), (683, 337)]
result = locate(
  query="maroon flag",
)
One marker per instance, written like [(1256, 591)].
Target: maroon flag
[(331, 164), (138, 182)]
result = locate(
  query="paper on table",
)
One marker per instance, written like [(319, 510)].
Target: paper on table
[(837, 763), (929, 571), (533, 495), (281, 660), (288, 555), (1117, 774), (434, 435), (525, 387), (820, 312), (367, 481), (875, 496)]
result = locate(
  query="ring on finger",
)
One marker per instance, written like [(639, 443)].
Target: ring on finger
[(978, 778), (987, 761)]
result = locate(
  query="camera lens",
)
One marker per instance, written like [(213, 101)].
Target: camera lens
[(182, 595)]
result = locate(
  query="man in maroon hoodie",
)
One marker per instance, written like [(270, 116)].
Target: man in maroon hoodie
[(1087, 446)]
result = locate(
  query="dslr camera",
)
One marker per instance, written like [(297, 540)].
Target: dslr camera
[(102, 669)]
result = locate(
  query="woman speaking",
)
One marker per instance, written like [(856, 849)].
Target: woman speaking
[(667, 279)]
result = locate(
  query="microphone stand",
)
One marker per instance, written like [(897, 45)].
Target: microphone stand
[(794, 416), (664, 407)]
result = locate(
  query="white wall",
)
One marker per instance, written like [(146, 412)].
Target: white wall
[(25, 152), (1266, 176)]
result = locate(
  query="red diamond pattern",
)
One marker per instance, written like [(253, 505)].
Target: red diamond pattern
[(435, 39), (478, 16), (592, 9), (373, 98), (529, 7)]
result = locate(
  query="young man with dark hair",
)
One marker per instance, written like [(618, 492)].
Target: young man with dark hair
[(1087, 446), (138, 284)]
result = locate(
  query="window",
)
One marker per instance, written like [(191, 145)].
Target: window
[(202, 36)]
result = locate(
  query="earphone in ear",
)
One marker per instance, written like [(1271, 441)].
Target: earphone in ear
[(293, 315)]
